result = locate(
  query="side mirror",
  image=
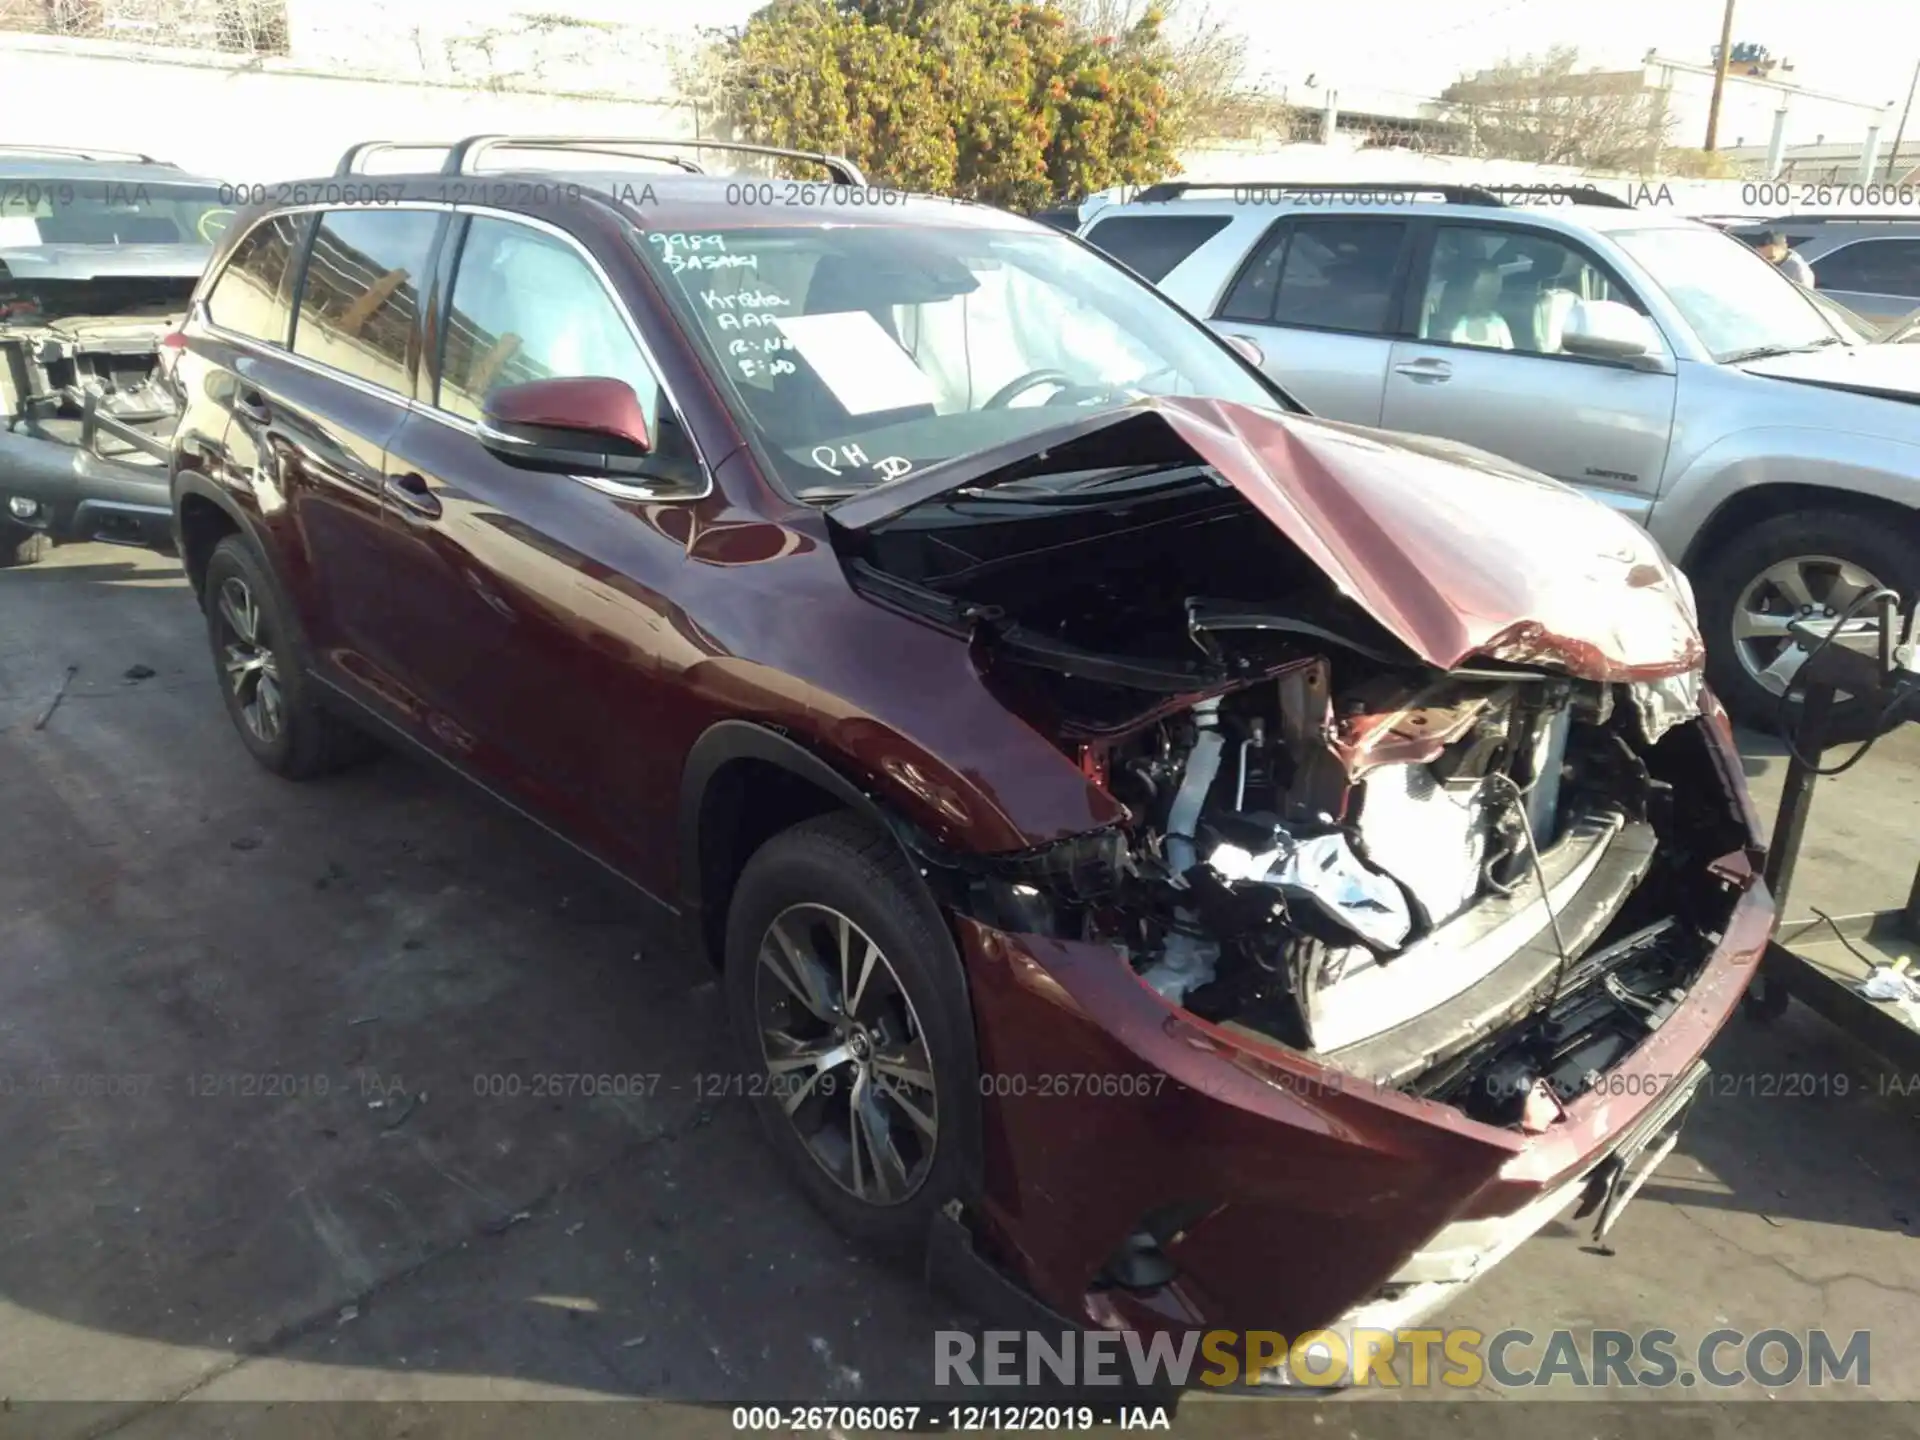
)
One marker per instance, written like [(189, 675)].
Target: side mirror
[(1608, 330), (581, 425), (1244, 346)]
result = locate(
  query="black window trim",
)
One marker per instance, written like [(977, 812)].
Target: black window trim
[(446, 273), (1293, 221), (1408, 326), (283, 350)]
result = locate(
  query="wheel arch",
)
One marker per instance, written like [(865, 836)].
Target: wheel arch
[(204, 515), (720, 826), (1758, 503)]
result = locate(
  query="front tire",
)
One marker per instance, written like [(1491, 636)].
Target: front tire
[(1808, 562), (850, 1019), (269, 697), (22, 545)]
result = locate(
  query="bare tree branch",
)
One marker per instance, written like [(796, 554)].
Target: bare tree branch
[(1547, 110)]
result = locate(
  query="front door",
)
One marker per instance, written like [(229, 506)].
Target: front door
[(530, 609), (1487, 367)]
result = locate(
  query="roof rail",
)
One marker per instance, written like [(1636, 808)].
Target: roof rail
[(463, 156), (1814, 217), (69, 152), (356, 156), (1452, 194), (1579, 195)]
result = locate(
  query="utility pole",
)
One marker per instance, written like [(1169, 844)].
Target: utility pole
[(1720, 78), (1901, 130)]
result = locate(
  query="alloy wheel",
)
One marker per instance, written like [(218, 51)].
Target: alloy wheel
[(247, 661), (846, 1057), (1801, 587)]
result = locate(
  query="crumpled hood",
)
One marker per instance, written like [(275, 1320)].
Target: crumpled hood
[(1455, 552), (1890, 371)]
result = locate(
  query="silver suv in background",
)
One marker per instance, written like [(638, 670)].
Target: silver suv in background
[(1869, 263), (1647, 359)]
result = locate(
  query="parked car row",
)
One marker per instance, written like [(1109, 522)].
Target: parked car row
[(1140, 825), (1647, 359)]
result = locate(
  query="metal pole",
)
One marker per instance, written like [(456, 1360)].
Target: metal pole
[(1900, 133), (1777, 146), (1720, 78)]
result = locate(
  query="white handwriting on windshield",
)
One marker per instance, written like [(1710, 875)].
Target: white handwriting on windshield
[(836, 460), (743, 300)]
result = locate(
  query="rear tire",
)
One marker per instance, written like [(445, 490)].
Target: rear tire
[(22, 545), (835, 877), (1735, 597), (273, 703)]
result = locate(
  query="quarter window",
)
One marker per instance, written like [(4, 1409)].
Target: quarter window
[(254, 294), (1152, 245), (360, 304)]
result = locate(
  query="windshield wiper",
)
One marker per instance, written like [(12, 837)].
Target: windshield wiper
[(1767, 352)]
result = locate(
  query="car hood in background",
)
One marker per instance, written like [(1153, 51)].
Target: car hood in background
[(1889, 371), (1457, 553), (101, 262)]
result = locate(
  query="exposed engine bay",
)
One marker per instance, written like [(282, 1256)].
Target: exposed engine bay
[(1389, 874), (1484, 885), (80, 363)]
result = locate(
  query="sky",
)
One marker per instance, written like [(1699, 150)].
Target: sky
[(1863, 49)]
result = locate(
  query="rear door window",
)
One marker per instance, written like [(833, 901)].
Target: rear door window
[(360, 303), (1872, 267), (1152, 245), (254, 294), (1322, 274)]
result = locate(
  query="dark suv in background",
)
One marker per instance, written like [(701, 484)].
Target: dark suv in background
[(1140, 826)]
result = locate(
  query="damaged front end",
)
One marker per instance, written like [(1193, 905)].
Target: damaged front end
[(1466, 854), (89, 409)]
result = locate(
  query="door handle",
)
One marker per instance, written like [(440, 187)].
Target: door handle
[(410, 492), (1425, 368), (252, 405)]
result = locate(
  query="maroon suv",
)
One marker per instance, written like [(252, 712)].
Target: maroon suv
[(1208, 865)]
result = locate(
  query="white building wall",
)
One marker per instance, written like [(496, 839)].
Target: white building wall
[(236, 119)]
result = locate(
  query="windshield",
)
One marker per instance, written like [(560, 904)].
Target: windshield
[(860, 353), (1736, 302), (92, 212)]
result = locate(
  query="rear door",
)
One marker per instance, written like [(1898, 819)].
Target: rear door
[(310, 419), (1319, 295), (1486, 366), (1877, 279), (529, 611)]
